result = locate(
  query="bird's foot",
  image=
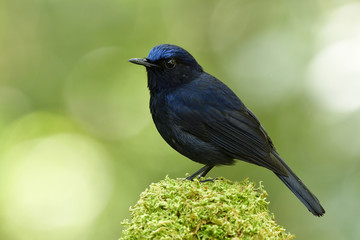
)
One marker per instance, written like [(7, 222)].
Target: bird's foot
[(208, 180), (200, 177)]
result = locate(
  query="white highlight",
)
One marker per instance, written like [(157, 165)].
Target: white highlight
[(334, 72)]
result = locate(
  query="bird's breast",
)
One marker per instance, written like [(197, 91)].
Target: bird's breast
[(165, 113)]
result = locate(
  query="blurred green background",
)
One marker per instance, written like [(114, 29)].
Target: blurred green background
[(77, 142)]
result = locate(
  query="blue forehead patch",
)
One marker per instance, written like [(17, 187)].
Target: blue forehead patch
[(165, 51)]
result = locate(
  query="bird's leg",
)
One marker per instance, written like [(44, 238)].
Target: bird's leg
[(201, 172), (195, 174)]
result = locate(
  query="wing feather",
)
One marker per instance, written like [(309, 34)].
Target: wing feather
[(236, 132)]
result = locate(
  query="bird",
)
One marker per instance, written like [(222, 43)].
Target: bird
[(203, 119)]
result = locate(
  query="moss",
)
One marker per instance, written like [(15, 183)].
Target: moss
[(178, 209)]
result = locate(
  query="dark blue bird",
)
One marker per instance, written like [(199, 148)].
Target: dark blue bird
[(201, 118)]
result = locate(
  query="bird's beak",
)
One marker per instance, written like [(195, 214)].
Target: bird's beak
[(142, 61)]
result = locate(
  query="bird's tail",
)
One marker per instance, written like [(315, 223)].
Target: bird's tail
[(300, 190)]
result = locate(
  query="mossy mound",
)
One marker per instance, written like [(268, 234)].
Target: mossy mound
[(178, 209)]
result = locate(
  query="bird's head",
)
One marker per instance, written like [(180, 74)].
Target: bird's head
[(168, 66)]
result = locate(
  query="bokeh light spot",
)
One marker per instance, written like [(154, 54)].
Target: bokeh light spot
[(334, 73), (56, 182), (265, 67)]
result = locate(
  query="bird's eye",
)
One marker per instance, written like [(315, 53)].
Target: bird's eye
[(170, 63)]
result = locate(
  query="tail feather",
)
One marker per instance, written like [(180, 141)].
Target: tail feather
[(300, 190)]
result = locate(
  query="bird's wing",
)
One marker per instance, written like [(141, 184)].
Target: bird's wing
[(233, 129)]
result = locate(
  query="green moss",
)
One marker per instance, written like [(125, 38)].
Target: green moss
[(178, 209)]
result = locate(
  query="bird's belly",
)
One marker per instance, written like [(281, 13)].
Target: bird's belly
[(192, 146)]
